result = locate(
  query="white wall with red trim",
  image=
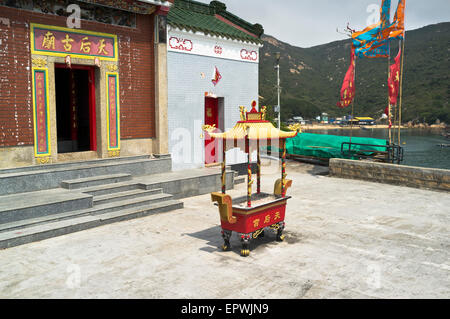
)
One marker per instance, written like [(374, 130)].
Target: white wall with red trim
[(191, 60), (205, 45)]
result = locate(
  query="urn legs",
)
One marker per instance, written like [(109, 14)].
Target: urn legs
[(226, 234), (245, 241), (246, 238), (280, 236)]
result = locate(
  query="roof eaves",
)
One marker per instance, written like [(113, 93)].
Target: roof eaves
[(217, 7), (217, 34), (256, 28)]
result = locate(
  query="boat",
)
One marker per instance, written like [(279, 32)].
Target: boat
[(323, 147)]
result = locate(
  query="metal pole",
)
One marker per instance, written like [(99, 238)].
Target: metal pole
[(401, 89), (283, 168), (278, 90), (249, 173), (258, 171), (394, 111), (353, 101), (223, 167), (389, 102)]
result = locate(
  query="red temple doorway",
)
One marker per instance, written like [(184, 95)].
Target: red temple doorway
[(75, 108), (211, 118)]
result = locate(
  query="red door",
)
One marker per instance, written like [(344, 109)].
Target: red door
[(92, 113), (211, 118), (91, 100)]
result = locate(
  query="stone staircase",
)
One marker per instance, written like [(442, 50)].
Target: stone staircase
[(34, 178), (91, 201)]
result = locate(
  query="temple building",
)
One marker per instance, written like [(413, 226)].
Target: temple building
[(92, 79), (212, 61), (82, 80), (95, 97)]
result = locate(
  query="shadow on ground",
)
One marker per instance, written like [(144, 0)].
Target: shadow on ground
[(213, 240), (319, 170)]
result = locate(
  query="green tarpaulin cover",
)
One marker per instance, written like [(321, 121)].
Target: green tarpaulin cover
[(329, 146)]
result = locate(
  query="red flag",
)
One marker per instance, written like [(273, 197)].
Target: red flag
[(394, 80), (348, 86), (216, 76)]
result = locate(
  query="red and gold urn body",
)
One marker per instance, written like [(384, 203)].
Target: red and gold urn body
[(250, 215)]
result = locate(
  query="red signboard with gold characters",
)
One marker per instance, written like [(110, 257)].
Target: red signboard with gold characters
[(58, 41), (113, 113), (41, 114)]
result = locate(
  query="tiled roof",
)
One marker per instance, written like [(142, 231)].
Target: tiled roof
[(196, 16)]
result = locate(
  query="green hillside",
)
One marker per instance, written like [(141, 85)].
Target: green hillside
[(311, 77)]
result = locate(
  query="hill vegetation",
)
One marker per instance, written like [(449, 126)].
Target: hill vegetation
[(311, 78)]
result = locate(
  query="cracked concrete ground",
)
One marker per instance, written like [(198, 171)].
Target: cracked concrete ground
[(344, 239)]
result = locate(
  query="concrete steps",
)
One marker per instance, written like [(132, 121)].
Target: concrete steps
[(187, 183), (66, 165), (95, 181), (239, 180), (24, 206), (37, 232), (105, 197), (115, 201), (111, 188), (119, 196), (36, 178), (102, 208)]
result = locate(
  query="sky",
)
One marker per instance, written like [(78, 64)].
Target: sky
[(307, 23)]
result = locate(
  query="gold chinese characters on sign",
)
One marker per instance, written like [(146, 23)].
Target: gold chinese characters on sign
[(58, 41)]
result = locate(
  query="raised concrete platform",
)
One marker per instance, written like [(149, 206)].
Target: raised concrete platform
[(111, 188), (34, 178), (45, 230), (345, 239), (188, 183), (41, 203), (32, 168), (94, 201), (120, 196), (95, 180)]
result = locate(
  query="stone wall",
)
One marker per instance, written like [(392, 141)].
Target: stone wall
[(411, 176)]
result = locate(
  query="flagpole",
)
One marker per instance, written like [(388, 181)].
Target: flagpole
[(396, 126), (389, 102), (397, 115), (353, 101), (394, 111), (401, 89), (401, 77)]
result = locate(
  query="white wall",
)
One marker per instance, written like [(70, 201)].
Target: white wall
[(189, 77)]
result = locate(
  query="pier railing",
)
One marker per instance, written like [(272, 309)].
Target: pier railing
[(390, 154)]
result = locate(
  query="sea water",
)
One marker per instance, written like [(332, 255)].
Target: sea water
[(421, 146)]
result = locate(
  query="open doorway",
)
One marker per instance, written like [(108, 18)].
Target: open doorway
[(214, 115), (75, 108)]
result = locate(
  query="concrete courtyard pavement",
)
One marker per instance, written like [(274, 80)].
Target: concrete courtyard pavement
[(344, 239)]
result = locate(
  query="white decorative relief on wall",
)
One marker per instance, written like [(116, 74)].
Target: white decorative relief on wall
[(190, 43)]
